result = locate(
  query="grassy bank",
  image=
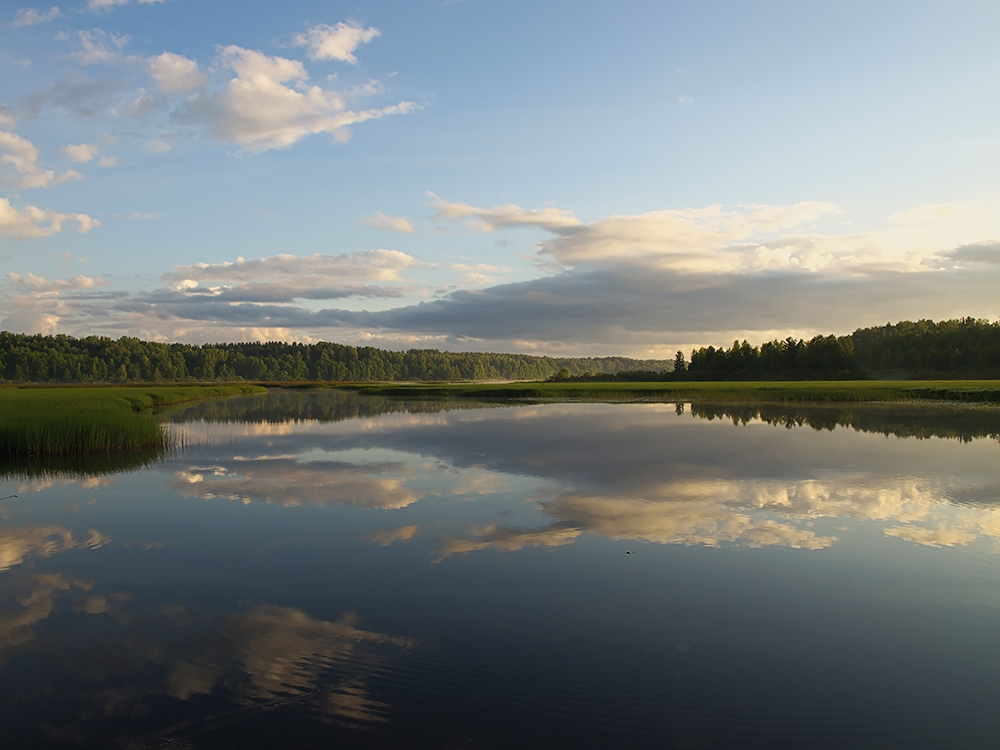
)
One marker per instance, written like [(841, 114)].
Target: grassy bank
[(973, 391), (75, 421)]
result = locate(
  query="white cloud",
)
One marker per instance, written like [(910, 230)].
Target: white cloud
[(40, 284), (37, 306), (98, 46), (642, 284), (337, 42), (745, 239), (285, 481), (176, 74), (245, 97), (269, 105), (368, 265), (32, 221), (33, 16), (80, 153), (101, 5), (478, 274), (21, 158), (380, 221), (108, 161), (158, 146), (502, 217)]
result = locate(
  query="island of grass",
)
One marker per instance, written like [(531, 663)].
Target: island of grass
[(851, 391), (46, 422)]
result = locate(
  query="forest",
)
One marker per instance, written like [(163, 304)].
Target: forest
[(966, 348), (99, 359), (925, 349)]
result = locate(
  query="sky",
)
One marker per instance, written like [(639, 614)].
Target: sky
[(546, 177)]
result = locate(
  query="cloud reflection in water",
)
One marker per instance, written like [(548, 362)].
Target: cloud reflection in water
[(639, 472)]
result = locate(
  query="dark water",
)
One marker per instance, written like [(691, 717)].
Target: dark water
[(323, 570)]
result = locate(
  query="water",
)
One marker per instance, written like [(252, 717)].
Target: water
[(326, 570)]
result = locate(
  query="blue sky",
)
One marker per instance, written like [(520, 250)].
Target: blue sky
[(553, 177)]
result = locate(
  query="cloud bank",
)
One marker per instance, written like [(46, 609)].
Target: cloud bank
[(625, 284)]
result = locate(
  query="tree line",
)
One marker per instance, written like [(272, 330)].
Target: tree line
[(100, 359), (925, 349), (959, 348)]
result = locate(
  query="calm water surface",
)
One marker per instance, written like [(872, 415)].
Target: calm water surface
[(326, 570)]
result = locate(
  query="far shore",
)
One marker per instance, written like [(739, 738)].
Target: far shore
[(850, 391)]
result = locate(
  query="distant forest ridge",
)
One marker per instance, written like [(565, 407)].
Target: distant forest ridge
[(99, 359), (960, 348), (967, 348)]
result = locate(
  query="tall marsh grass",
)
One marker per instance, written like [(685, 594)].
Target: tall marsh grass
[(75, 421)]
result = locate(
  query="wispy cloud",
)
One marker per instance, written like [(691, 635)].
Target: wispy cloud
[(505, 216), (380, 221), (99, 46), (104, 5), (33, 16)]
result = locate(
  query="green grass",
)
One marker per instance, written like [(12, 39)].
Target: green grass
[(77, 421), (977, 391)]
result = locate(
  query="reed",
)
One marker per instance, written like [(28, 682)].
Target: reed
[(50, 422)]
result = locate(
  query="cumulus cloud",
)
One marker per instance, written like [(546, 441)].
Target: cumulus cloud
[(32, 221), (176, 74), (81, 153), (337, 42), (380, 221), (269, 104), (243, 96), (158, 146), (37, 305), (33, 16), (20, 160)]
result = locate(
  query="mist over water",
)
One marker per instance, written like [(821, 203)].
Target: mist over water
[(320, 568)]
